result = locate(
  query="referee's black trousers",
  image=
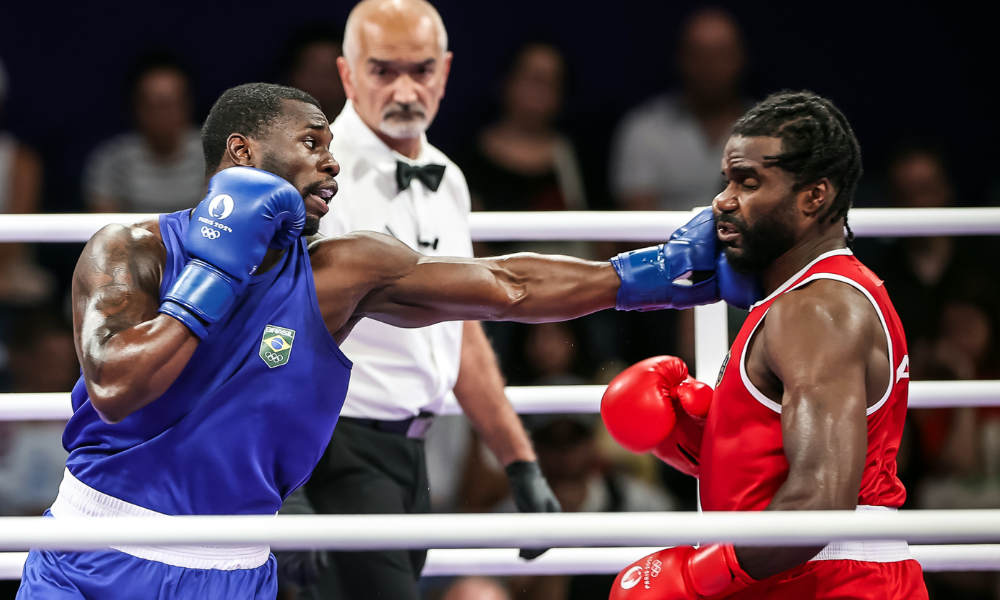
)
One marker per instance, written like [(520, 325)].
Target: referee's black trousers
[(365, 471)]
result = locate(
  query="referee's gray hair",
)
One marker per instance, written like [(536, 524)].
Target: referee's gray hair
[(352, 45)]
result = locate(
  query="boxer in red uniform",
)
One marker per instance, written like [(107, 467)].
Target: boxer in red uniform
[(809, 407)]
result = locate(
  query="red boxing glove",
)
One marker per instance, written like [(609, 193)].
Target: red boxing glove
[(649, 406), (682, 573), (682, 448)]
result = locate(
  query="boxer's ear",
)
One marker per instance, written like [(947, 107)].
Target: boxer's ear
[(346, 77), (241, 151), (815, 198)]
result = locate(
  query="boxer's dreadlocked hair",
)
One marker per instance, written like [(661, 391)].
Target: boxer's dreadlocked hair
[(249, 109), (816, 142)]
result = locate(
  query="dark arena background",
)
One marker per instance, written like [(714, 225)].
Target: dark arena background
[(916, 81)]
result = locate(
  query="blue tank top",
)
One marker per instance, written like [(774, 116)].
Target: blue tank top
[(247, 419)]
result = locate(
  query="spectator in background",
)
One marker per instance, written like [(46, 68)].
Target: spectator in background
[(476, 588), (666, 152), (960, 447), (159, 166), (946, 292), (32, 458), (923, 273), (522, 161), (309, 63), (21, 281)]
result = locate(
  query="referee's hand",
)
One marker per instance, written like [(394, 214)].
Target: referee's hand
[(531, 494)]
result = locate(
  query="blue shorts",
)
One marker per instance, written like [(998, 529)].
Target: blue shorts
[(110, 574)]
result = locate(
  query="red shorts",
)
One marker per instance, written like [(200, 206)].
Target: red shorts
[(843, 580)]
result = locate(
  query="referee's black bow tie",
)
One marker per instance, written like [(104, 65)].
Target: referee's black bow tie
[(429, 175)]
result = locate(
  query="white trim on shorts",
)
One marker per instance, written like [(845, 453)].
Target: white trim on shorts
[(77, 499), (878, 551)]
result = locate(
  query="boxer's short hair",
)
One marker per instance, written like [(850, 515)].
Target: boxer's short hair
[(250, 109)]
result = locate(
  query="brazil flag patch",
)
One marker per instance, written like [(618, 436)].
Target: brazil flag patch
[(276, 345)]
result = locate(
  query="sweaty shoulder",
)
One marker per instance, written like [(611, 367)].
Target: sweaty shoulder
[(366, 251), (141, 240), (823, 321), (121, 265), (823, 303), (348, 267)]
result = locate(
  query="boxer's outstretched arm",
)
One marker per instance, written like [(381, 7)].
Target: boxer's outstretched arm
[(818, 342), (130, 354), (396, 285)]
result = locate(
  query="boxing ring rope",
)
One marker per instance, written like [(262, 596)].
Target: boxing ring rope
[(501, 562), (528, 400), (588, 534), (487, 542), (653, 226)]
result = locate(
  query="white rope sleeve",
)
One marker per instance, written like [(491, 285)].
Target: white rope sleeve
[(556, 226), (556, 530), (544, 399), (501, 562)]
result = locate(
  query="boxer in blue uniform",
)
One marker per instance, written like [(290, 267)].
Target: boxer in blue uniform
[(200, 335)]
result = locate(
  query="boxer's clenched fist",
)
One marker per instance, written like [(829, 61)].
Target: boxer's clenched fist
[(682, 573), (245, 212), (655, 406)]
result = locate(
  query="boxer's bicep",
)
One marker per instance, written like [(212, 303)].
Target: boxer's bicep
[(114, 287), (129, 353), (816, 341)]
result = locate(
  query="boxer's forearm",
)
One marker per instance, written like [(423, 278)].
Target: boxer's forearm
[(555, 288), (130, 369), (797, 493), (480, 392), (825, 439), (528, 288)]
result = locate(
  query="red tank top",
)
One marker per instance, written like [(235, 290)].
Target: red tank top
[(742, 459)]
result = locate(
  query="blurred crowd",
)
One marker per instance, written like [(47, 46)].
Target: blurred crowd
[(664, 154)]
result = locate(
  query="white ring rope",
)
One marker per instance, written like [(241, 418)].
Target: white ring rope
[(528, 400), (606, 561), (557, 226), (537, 530), (500, 562)]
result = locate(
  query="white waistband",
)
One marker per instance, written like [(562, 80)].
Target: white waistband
[(77, 499), (869, 551)]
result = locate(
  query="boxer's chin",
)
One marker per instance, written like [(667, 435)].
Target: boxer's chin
[(311, 227)]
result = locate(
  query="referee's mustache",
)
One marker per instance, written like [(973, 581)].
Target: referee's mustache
[(410, 111)]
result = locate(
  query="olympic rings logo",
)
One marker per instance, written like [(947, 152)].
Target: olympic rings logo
[(212, 234), (655, 569), (275, 358)]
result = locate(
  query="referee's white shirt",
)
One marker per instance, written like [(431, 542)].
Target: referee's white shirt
[(397, 372)]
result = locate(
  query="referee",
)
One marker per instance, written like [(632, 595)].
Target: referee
[(394, 70)]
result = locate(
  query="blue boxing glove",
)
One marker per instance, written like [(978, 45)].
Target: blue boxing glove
[(689, 270), (737, 289), (245, 212)]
